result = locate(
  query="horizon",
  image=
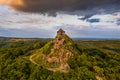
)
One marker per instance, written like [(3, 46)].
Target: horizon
[(74, 38)]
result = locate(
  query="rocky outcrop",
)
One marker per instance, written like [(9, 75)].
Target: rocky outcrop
[(60, 50), (58, 53)]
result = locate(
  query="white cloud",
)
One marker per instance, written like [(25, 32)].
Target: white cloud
[(44, 24)]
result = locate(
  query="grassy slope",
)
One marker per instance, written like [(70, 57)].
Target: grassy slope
[(68, 46)]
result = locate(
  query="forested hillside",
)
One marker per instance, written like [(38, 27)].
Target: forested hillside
[(96, 60)]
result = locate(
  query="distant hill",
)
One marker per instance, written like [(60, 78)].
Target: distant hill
[(96, 38)]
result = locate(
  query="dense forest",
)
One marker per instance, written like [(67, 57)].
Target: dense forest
[(98, 59)]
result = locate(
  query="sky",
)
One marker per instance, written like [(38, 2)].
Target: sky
[(42, 18)]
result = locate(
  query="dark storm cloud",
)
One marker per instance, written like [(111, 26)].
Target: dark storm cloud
[(95, 20), (118, 22), (52, 6), (86, 17)]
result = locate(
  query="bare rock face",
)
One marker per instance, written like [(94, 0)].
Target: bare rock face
[(59, 54), (59, 48)]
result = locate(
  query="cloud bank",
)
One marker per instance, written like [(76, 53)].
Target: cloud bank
[(53, 6), (34, 25)]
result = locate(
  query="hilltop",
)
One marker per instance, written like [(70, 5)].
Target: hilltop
[(55, 54)]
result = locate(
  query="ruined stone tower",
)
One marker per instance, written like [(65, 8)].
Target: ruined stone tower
[(60, 32)]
